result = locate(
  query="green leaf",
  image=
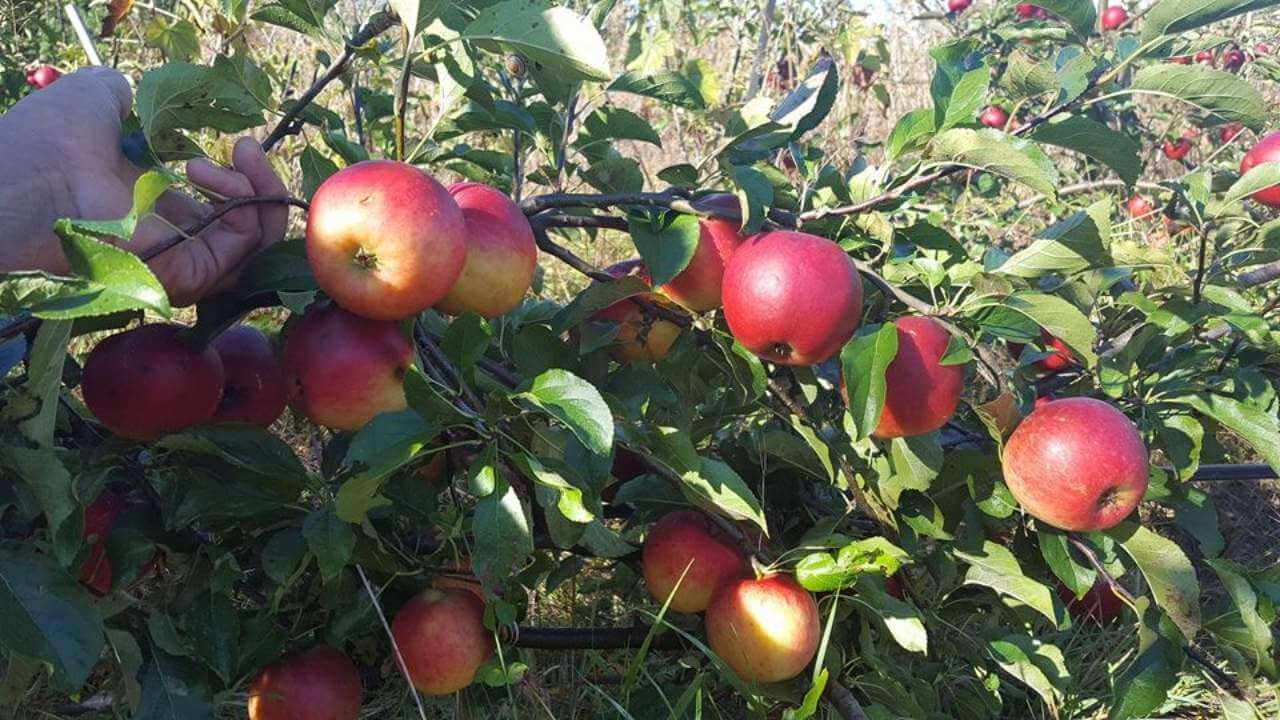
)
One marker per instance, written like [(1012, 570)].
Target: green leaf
[(666, 241), (192, 97), (902, 619), (911, 132), (1222, 96), (967, 98), (1143, 686), (995, 567), (49, 617), (1072, 245), (569, 501), (576, 403), (44, 384), (1056, 551), (1026, 77), (755, 193), (1090, 137), (715, 486), (1168, 571), (386, 443), (609, 123), (1038, 665), (1082, 15), (1259, 428), (824, 572), (999, 153), (173, 690), (48, 480), (212, 623), (863, 362), (316, 168), (914, 461), (561, 40), (1259, 177), (117, 279), (146, 190), (465, 342), (244, 446), (503, 536), (595, 298), (304, 16), (1060, 318), (1235, 579), (1171, 17), (178, 40), (330, 539), (668, 87), (808, 103)]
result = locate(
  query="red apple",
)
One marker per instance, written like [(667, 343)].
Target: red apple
[(43, 76), (1139, 207), (501, 253), (1077, 464), (765, 629), (698, 286), (1176, 150), (385, 240), (958, 6), (255, 390), (101, 514), (994, 117), (1114, 17), (1060, 356), (1267, 150), (1228, 132), (1042, 401), (1233, 59), (1026, 11), (640, 337), (893, 586), (920, 394), (317, 684), (689, 539), (441, 634), (1181, 60), (148, 382), (1206, 57), (1100, 604), (343, 369), (1262, 48), (791, 297)]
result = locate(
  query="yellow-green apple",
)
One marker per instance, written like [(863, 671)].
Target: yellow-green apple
[(920, 393), (1077, 464), (641, 336), (686, 547), (501, 253), (255, 390), (791, 297), (697, 287), (442, 637), (319, 683), (343, 369), (765, 629), (150, 381), (1267, 150), (384, 239)]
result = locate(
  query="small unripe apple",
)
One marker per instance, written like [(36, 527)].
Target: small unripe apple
[(442, 637), (385, 240), (1177, 149), (43, 76), (1077, 464), (1139, 207), (791, 297), (255, 390), (501, 253), (1100, 604), (148, 382), (1114, 17), (101, 514), (1228, 132), (994, 117), (689, 539), (1233, 59), (640, 337), (920, 394), (1206, 57), (343, 369), (698, 286), (319, 683), (1267, 150), (765, 629), (958, 6)]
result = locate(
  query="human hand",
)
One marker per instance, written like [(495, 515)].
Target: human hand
[(63, 159)]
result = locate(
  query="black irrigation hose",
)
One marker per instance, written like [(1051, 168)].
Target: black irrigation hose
[(590, 638), (1234, 473)]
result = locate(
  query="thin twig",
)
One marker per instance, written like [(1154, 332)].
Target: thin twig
[(404, 668), (843, 701)]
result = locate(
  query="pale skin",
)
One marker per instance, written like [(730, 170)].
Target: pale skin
[(61, 158)]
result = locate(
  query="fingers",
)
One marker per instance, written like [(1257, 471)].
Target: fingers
[(249, 159), (92, 90), (225, 184)]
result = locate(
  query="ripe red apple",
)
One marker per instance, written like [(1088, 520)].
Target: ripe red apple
[(1181, 60), (385, 240), (1267, 150), (994, 117), (441, 634), (1077, 464), (698, 286), (791, 297), (319, 683), (958, 6), (1262, 48), (43, 76), (1026, 11), (1060, 356), (640, 337), (150, 381), (893, 586), (1228, 132), (255, 390), (1100, 604), (101, 514), (343, 369), (920, 394), (1042, 401), (765, 629), (1139, 207), (1176, 150), (1114, 17), (689, 539), (501, 253), (1233, 59), (1206, 57)]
